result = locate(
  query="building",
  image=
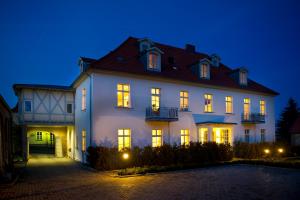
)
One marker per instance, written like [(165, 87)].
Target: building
[(295, 133), (147, 93), (6, 157)]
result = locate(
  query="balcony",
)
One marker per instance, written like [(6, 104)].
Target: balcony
[(253, 118), (162, 114)]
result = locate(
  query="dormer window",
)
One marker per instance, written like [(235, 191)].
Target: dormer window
[(204, 70), (152, 60), (243, 77)]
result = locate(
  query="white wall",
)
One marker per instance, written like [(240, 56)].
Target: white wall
[(82, 118), (107, 118), (48, 106)]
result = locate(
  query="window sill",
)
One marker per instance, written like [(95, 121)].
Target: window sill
[(209, 112), (229, 114), (185, 111), (123, 108)]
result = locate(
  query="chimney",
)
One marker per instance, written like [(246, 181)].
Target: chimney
[(190, 48)]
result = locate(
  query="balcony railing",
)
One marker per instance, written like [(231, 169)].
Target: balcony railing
[(162, 114), (254, 118)]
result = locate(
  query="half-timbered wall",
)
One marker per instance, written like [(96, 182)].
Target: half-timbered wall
[(47, 107)]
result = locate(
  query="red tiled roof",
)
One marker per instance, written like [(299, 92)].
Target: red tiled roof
[(296, 126), (126, 58)]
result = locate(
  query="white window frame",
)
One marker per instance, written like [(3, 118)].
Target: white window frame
[(228, 104), (184, 100), (155, 136), (208, 107), (262, 107), (25, 106), (185, 133), (123, 136), (39, 136), (123, 91), (204, 70), (71, 108), (83, 99)]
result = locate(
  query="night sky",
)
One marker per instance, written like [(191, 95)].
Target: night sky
[(41, 42)]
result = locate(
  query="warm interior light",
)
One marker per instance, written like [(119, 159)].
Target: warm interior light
[(280, 150), (218, 136), (125, 156), (267, 151)]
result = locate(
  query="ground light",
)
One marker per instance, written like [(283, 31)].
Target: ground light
[(280, 150), (125, 156), (267, 151)]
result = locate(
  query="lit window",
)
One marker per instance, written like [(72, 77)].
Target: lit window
[(262, 106), (243, 78), (185, 137), (208, 103), (83, 140), (152, 61), (203, 137), (39, 136), (69, 108), (123, 95), (228, 104), (225, 136), (155, 99), (247, 108), (27, 106), (263, 135), (184, 100), (204, 70), (83, 99), (124, 139), (247, 135), (156, 138)]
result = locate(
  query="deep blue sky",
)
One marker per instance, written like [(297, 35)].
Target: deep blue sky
[(41, 42)]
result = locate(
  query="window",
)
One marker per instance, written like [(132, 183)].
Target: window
[(51, 138), (155, 99), (228, 104), (124, 139), (262, 107), (263, 135), (83, 99), (247, 135), (243, 78), (247, 108), (225, 136), (152, 61), (184, 100), (157, 138), (208, 104), (204, 70), (27, 106), (69, 108), (39, 136), (185, 137), (83, 140), (203, 137), (123, 94)]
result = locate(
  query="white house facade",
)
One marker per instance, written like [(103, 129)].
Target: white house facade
[(145, 93)]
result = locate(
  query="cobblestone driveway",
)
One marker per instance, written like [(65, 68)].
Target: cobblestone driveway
[(54, 178)]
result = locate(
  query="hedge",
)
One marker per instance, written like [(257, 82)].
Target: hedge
[(104, 158)]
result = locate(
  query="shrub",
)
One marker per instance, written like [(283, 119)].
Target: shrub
[(103, 158)]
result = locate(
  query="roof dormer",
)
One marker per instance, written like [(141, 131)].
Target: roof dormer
[(145, 44), (215, 60), (240, 75), (243, 76), (153, 57), (204, 69)]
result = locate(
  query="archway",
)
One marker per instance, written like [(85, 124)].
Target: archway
[(41, 142)]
